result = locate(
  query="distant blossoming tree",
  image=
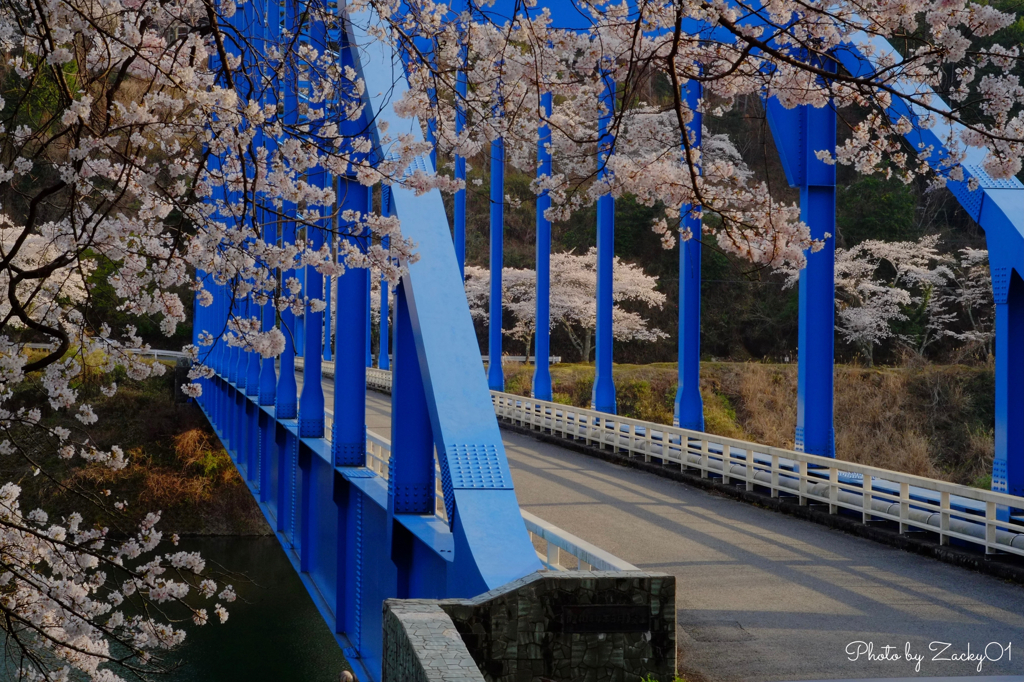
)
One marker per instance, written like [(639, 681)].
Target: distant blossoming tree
[(573, 296), (882, 284)]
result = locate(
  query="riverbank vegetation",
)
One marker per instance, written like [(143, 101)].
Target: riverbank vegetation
[(923, 419), (175, 462)]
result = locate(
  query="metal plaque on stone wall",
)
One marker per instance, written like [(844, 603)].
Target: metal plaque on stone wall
[(606, 618)]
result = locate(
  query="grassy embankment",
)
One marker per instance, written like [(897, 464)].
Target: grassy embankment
[(928, 420), (176, 464)]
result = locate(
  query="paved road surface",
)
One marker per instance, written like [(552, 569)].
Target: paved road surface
[(763, 596)]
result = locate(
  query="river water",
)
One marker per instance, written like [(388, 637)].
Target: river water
[(273, 633)]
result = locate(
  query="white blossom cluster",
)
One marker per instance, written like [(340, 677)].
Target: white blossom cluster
[(879, 284), (169, 158), (736, 49), (572, 301), (76, 600)]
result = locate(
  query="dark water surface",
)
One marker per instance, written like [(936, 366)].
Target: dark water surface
[(273, 632)]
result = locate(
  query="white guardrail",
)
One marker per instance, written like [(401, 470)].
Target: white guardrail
[(915, 503), (156, 354)]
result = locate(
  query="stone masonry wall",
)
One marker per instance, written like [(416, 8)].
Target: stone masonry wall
[(574, 626), (421, 644)]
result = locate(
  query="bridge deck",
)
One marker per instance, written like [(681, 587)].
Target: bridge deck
[(762, 595)]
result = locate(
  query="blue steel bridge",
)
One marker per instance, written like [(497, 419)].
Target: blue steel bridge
[(395, 481)]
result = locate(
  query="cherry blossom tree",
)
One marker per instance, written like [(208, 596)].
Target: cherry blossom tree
[(882, 284), (735, 49), (970, 294), (152, 136), (573, 299)]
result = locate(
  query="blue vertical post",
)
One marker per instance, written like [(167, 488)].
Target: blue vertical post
[(383, 344), (411, 468), (369, 281), (349, 430), (268, 25), (495, 373), (799, 134), (286, 405), (542, 327), (369, 318), (300, 320), (328, 344), (240, 433), (311, 401), (268, 372), (814, 432), (689, 408), (603, 397), (461, 89), (255, 362), (1008, 466)]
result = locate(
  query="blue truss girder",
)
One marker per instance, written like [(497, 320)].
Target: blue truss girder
[(491, 544)]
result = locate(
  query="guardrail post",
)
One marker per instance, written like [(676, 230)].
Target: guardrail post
[(990, 527), (704, 460), (553, 555), (750, 470), (904, 507), (801, 470), (943, 518), (775, 475), (866, 488), (833, 490)]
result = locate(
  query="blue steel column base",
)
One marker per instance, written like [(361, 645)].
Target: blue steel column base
[(821, 449), (603, 397), (541, 387), (312, 427), (496, 376), (689, 410), (1008, 464), (412, 499), (286, 410), (348, 454)]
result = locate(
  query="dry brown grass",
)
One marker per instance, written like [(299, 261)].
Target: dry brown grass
[(927, 420)]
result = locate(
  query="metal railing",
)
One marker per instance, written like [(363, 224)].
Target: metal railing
[(557, 546), (953, 511), (378, 379), (156, 354)]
